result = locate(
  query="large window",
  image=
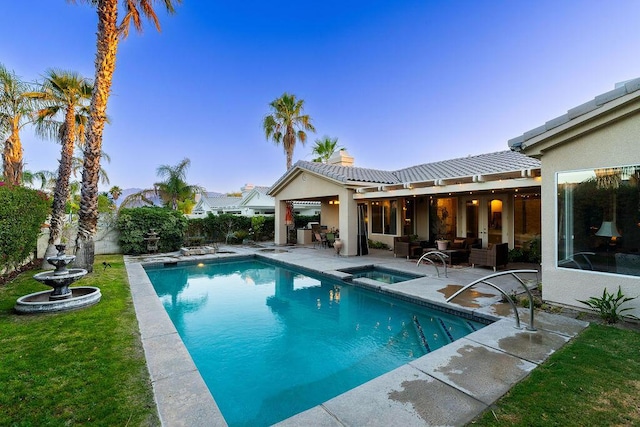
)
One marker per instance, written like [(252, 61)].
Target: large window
[(383, 216), (599, 220)]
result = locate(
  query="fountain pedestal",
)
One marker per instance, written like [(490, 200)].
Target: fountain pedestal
[(60, 278)]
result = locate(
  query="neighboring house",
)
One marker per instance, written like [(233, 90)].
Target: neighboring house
[(590, 160), (254, 201), (494, 197), (217, 205)]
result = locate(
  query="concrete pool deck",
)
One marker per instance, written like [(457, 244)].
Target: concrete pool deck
[(449, 386)]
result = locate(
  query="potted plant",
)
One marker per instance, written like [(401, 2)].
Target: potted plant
[(442, 240)]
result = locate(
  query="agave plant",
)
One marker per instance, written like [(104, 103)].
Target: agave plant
[(609, 305)]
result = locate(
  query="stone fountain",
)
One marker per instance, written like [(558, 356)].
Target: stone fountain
[(61, 298)]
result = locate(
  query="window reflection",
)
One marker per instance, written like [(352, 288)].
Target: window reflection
[(384, 216), (599, 219)]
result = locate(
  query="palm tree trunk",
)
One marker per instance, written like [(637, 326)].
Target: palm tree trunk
[(12, 157), (289, 143), (107, 47), (61, 192)]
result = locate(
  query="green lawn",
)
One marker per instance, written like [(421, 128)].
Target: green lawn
[(78, 367), (593, 381)]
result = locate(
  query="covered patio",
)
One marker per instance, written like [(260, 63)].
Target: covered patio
[(493, 197)]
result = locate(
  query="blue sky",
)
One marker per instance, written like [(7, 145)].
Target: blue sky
[(399, 83)]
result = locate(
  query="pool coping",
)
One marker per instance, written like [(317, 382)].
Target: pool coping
[(183, 399)]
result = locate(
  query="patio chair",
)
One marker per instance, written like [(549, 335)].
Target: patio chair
[(331, 237), (320, 239), (493, 256), (404, 247)]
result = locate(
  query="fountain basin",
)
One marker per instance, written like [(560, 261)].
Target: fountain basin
[(39, 302), (60, 282)]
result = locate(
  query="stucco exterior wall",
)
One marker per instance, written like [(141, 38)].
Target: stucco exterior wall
[(330, 216), (616, 144), (106, 240)]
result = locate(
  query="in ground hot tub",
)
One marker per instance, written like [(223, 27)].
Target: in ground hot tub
[(380, 274)]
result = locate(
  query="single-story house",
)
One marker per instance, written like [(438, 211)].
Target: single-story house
[(253, 201), (590, 163)]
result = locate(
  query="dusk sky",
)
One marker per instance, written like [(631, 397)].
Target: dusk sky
[(398, 82)]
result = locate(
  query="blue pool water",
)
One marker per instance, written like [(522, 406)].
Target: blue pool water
[(271, 342)]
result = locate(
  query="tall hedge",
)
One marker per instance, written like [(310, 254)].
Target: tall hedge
[(22, 213), (229, 228), (134, 225)]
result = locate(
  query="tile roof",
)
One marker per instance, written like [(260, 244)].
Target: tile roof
[(223, 201), (347, 173), (598, 102), (482, 164)]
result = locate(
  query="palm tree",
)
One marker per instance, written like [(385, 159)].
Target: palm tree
[(15, 113), (108, 35), (42, 176), (115, 192), (77, 163), (64, 95), (325, 148), (174, 188), (174, 191), (286, 124)]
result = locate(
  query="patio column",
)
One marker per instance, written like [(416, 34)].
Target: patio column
[(348, 224), (280, 229)]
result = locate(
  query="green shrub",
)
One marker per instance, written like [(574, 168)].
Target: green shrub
[(135, 223), (609, 305), (240, 236), (529, 253), (196, 233), (268, 228), (223, 228), (22, 213), (229, 228), (516, 255), (377, 245), (301, 221), (257, 228), (535, 253)]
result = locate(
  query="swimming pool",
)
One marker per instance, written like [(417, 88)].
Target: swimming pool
[(271, 342)]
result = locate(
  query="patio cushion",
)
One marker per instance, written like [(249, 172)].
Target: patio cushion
[(459, 244)]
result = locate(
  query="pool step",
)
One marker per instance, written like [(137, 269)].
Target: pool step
[(446, 330), (418, 326)]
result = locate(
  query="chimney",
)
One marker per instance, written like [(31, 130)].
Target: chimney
[(247, 188), (341, 158)]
